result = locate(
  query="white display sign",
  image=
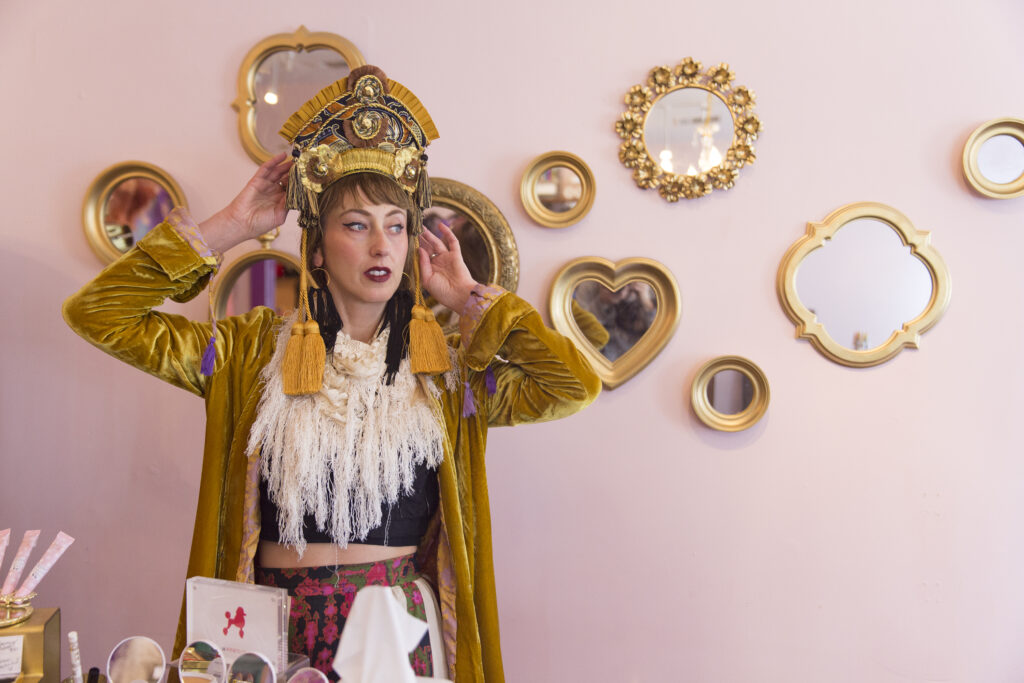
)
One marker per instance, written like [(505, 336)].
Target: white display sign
[(10, 656)]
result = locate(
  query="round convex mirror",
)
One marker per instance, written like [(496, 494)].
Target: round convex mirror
[(201, 662), (308, 675), (618, 318), (136, 660), (1001, 159), (265, 277), (252, 667), (688, 131), (559, 189), (730, 391)]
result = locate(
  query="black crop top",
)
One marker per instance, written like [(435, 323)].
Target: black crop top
[(403, 523)]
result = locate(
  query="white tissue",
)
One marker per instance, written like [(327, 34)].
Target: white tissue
[(378, 636)]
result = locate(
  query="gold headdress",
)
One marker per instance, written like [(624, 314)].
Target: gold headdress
[(365, 123)]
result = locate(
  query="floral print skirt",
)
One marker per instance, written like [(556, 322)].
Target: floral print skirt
[(322, 598)]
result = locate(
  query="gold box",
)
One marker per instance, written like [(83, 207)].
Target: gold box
[(40, 651)]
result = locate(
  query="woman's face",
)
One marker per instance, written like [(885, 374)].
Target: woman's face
[(364, 251)]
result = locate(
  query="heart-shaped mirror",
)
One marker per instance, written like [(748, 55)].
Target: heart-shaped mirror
[(620, 315)]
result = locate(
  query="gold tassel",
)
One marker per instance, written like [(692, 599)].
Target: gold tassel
[(302, 371), (428, 351)]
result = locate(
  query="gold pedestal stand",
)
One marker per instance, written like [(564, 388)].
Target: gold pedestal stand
[(15, 610)]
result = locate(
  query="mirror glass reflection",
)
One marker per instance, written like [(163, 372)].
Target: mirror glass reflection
[(286, 80), (308, 675), (730, 392), (474, 252), (134, 207), (201, 662), (136, 659), (1001, 159), (688, 131), (863, 284), (267, 282), (614, 320), (559, 189), (252, 667)]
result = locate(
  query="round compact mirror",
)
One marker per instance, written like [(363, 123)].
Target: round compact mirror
[(308, 675), (729, 394), (689, 131), (613, 321), (994, 159), (252, 667), (136, 660), (265, 277), (201, 662)]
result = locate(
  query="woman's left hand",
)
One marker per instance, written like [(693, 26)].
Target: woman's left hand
[(442, 270)]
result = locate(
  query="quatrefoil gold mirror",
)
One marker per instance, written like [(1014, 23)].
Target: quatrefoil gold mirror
[(125, 202), (863, 284), (994, 159), (557, 189), (485, 237), (263, 277), (620, 315), (688, 130), (729, 393), (278, 75)]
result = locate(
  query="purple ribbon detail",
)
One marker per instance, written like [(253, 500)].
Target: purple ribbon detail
[(468, 404), (209, 357), (492, 383)]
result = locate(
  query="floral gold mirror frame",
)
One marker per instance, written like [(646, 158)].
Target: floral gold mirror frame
[(755, 387), (807, 324), (572, 189), (653, 171), (614, 277), (117, 207), (996, 188), (300, 41)]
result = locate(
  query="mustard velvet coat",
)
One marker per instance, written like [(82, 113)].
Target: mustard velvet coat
[(540, 376)]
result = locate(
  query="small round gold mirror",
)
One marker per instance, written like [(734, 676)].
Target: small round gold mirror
[(125, 202), (729, 394), (280, 74), (264, 277), (688, 130), (994, 159), (557, 189)]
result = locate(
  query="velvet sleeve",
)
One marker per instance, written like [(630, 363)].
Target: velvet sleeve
[(115, 312), (539, 374)]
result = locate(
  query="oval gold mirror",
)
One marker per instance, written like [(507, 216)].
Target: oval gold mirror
[(485, 238), (620, 315), (994, 159), (688, 130), (125, 202), (729, 394), (863, 284), (280, 74), (264, 277), (557, 189)]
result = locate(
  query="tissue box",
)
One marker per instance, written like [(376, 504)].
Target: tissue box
[(40, 649)]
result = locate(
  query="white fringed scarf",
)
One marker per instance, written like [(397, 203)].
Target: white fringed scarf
[(343, 452)]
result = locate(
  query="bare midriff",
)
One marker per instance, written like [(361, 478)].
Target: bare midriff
[(276, 556)]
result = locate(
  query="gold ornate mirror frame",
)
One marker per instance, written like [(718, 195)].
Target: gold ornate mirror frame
[(532, 203), (94, 206), (662, 80), (807, 325), (501, 243), (229, 276), (614, 276), (734, 422), (985, 132), (301, 40)]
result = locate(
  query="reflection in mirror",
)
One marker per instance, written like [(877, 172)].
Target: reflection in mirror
[(136, 659), (1001, 159), (474, 252), (266, 282), (730, 392), (308, 675), (134, 207), (863, 284), (625, 314), (559, 189), (283, 82), (252, 667), (688, 131), (201, 662)]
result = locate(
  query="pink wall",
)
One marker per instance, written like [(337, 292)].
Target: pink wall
[(867, 529)]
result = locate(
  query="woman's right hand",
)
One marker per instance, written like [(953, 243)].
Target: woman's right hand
[(258, 208)]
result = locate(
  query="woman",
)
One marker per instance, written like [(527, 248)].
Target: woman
[(371, 453)]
